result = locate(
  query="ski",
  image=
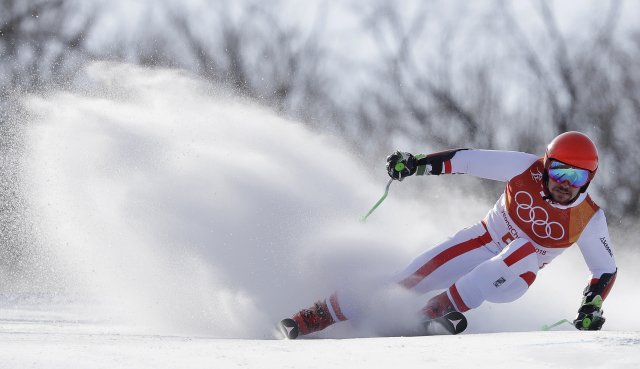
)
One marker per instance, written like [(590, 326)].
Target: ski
[(289, 328), (453, 322)]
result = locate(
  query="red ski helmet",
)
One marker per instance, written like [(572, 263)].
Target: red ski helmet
[(575, 149)]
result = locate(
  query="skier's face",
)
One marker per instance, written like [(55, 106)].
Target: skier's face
[(562, 192)]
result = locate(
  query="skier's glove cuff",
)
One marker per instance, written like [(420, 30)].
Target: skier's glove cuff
[(401, 165)]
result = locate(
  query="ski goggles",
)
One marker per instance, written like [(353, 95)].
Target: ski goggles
[(560, 172)]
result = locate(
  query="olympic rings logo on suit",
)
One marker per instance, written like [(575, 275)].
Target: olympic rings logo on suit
[(538, 217)]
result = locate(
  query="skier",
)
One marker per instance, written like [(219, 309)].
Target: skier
[(544, 210)]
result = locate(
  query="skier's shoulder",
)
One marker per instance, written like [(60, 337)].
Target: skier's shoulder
[(593, 217), (591, 202), (597, 221)]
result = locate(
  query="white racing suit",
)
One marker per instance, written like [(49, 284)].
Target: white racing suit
[(498, 258)]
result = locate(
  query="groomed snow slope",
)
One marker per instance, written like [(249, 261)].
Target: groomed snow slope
[(37, 339)]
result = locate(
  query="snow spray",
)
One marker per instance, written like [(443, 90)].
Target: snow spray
[(181, 208)]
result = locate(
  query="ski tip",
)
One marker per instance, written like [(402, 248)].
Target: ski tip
[(458, 321), (453, 322), (289, 328)]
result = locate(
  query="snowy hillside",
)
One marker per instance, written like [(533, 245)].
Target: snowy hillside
[(54, 340), (176, 225)]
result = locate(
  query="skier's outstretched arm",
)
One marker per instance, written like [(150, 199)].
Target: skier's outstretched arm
[(597, 250), (490, 164)]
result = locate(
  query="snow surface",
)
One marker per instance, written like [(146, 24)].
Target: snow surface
[(177, 224), (31, 338)]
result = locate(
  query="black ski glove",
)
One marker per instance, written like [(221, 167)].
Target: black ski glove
[(590, 315), (401, 165)]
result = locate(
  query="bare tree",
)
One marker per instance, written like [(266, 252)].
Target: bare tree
[(37, 45), (446, 101), (460, 100), (252, 51)]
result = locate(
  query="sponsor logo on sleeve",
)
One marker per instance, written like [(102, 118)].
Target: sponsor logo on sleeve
[(606, 245)]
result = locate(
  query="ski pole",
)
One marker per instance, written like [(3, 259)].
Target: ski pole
[(547, 327), (375, 206)]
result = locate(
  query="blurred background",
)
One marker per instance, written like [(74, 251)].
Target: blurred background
[(421, 76)]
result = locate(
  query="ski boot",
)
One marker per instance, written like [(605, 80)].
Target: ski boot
[(313, 319), (441, 316)]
